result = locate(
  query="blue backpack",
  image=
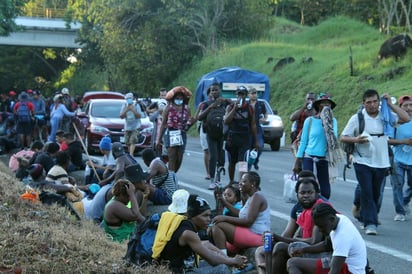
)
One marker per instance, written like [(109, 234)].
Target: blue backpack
[(23, 113), (139, 247)]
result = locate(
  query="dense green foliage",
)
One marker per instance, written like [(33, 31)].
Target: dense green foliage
[(144, 45), (328, 44)]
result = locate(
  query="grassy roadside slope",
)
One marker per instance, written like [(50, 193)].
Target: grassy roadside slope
[(328, 44)]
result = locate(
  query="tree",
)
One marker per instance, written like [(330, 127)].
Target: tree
[(9, 9)]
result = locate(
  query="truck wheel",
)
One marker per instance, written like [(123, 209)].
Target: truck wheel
[(275, 144)]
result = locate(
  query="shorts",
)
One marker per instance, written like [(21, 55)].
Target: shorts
[(203, 139), (131, 137), (24, 128), (236, 145), (244, 238), (324, 269), (160, 197)]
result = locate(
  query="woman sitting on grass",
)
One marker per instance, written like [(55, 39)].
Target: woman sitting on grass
[(119, 219)]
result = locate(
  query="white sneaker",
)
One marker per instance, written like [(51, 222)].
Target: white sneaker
[(399, 218), (212, 186), (371, 230)]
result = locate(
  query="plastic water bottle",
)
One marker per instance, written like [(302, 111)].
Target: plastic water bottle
[(309, 106), (252, 155)]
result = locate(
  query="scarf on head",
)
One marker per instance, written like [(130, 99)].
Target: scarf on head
[(334, 151)]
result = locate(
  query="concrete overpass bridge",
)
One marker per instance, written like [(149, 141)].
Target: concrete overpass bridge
[(43, 32)]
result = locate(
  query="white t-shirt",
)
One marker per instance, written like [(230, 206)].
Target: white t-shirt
[(347, 242), (375, 153)]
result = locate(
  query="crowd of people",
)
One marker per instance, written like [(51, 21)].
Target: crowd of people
[(317, 238)]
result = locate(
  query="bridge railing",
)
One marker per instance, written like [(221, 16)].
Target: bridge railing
[(43, 12)]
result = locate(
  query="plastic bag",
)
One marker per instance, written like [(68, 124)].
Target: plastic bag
[(289, 183)]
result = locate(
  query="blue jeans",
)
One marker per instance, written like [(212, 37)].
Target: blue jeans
[(398, 181), (356, 200), (322, 173), (370, 180)]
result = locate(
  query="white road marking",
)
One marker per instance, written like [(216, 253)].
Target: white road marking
[(377, 247)]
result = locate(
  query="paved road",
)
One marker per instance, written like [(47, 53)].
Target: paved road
[(388, 252)]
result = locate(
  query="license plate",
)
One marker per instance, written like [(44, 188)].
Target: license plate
[(121, 139)]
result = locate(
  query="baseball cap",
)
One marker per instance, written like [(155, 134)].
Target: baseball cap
[(241, 90), (65, 91), (128, 96), (404, 98)]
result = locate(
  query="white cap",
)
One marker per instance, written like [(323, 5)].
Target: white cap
[(179, 201), (65, 91), (129, 96)]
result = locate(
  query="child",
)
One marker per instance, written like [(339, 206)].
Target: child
[(231, 201)]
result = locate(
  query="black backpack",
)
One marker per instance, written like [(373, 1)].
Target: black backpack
[(214, 122), (139, 247)]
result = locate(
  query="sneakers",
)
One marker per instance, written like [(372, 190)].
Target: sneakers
[(399, 218), (371, 230), (212, 186), (256, 166)]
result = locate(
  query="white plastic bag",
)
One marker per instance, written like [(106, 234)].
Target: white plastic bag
[(289, 183)]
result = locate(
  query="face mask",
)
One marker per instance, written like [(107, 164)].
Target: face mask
[(178, 102), (129, 101)]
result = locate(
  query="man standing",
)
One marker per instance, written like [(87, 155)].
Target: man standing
[(240, 118), (371, 156), (211, 114), (402, 167), (132, 113), (23, 111), (301, 114), (260, 118)]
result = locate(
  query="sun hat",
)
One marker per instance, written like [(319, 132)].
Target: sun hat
[(404, 98), (179, 201), (65, 91), (128, 96), (105, 143), (323, 97), (134, 173)]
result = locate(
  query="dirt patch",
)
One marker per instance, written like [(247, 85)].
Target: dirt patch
[(35, 238)]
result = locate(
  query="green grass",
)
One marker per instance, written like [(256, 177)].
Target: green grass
[(328, 44)]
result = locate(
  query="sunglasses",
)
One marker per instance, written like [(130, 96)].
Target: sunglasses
[(253, 92), (214, 89)]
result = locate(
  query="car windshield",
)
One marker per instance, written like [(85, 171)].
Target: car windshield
[(110, 109)]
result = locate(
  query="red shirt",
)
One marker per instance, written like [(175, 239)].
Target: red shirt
[(305, 220)]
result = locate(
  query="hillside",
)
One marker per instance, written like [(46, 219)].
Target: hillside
[(328, 45), (35, 238)]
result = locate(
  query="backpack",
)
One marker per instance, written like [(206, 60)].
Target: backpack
[(23, 113), (214, 122), (350, 148), (139, 247)]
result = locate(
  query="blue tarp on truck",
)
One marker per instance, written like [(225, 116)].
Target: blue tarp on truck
[(232, 75)]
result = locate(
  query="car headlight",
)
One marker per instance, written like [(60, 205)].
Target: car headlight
[(99, 129), (276, 123)]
